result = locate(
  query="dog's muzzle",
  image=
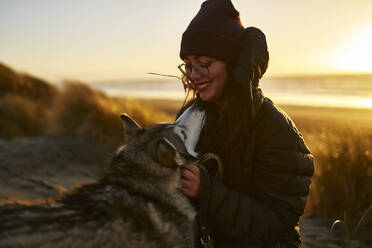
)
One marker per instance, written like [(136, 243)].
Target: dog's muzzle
[(190, 124)]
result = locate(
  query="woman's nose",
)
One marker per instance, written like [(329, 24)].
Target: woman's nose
[(194, 74)]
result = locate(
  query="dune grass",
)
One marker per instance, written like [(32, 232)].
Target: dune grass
[(25, 104), (30, 106), (343, 168), (26, 86), (341, 187), (84, 112), (19, 116)]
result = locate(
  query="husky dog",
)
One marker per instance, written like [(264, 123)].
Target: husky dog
[(136, 203)]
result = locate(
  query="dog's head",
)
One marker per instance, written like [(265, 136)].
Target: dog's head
[(169, 145), (163, 143)]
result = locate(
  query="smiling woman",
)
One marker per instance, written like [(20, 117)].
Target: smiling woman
[(356, 54), (266, 165)]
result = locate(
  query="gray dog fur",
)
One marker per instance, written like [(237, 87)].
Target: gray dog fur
[(137, 202)]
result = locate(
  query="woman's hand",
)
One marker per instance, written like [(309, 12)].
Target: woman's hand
[(190, 180)]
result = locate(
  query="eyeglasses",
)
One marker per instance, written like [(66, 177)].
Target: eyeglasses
[(199, 67)]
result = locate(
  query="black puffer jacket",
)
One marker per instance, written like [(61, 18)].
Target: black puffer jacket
[(268, 215)]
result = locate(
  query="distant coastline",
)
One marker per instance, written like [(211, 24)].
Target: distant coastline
[(339, 91)]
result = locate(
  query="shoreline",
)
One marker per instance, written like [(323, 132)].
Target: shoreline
[(349, 117), (336, 108)]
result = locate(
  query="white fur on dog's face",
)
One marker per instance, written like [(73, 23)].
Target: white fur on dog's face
[(189, 126)]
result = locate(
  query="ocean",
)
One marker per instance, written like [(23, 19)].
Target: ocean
[(346, 91)]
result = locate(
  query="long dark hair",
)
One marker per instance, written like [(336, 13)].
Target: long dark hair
[(227, 129)]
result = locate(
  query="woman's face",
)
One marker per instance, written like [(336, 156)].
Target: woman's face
[(209, 85)]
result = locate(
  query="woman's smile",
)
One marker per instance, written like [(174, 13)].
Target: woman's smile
[(203, 86)]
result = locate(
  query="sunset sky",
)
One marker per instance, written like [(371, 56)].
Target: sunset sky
[(94, 40)]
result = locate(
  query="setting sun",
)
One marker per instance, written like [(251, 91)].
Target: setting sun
[(356, 54)]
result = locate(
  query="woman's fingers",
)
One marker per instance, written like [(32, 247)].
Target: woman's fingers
[(192, 168), (187, 184), (190, 180), (185, 173)]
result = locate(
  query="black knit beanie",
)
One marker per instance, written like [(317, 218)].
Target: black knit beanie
[(215, 31)]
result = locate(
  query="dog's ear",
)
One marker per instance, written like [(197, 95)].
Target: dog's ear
[(167, 154), (131, 128)]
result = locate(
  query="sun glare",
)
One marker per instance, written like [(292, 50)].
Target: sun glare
[(356, 54), (367, 103)]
